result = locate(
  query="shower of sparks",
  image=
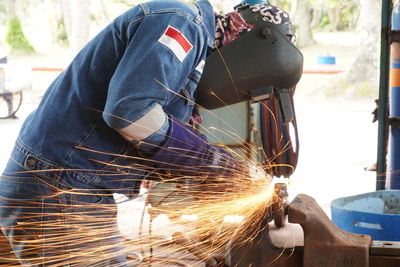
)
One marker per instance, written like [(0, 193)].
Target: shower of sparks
[(212, 215), (212, 210)]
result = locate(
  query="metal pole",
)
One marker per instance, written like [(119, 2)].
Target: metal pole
[(383, 96), (394, 137)]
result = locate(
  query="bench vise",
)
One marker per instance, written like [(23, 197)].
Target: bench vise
[(317, 243)]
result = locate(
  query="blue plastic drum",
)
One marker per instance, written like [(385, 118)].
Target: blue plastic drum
[(326, 60), (376, 214)]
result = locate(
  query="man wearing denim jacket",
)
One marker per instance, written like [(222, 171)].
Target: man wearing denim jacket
[(118, 113)]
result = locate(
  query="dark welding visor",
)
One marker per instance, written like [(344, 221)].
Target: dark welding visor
[(251, 67)]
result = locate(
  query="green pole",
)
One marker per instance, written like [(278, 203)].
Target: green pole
[(383, 103)]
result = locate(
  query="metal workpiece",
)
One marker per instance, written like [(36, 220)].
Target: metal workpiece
[(325, 244), (279, 206)]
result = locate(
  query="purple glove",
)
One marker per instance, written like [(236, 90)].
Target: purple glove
[(187, 152)]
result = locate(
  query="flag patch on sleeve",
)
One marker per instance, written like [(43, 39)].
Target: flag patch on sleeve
[(176, 42)]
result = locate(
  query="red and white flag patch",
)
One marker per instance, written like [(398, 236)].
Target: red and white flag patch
[(176, 42)]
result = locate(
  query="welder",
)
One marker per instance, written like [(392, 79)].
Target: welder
[(125, 100)]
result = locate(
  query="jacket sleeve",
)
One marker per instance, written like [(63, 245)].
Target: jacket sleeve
[(161, 51)]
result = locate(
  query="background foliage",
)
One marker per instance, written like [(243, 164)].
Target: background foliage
[(74, 22), (327, 15), (16, 39)]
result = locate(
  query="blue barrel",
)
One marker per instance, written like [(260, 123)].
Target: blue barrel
[(326, 60), (376, 214)]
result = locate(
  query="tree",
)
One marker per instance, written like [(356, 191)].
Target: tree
[(103, 14), (342, 14), (15, 37), (318, 12), (365, 65), (76, 15), (56, 21), (301, 16)]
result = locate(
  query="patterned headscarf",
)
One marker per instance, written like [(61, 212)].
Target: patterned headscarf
[(272, 14), (231, 26)]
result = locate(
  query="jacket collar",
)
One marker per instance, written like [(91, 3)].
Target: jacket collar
[(207, 13)]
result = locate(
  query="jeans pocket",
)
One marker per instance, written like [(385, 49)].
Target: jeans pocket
[(28, 213), (48, 217), (90, 218)]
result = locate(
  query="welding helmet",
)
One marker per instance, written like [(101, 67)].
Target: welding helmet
[(252, 67)]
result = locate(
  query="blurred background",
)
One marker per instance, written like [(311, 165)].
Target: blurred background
[(334, 101)]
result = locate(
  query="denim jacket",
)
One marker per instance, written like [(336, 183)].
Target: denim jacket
[(114, 80)]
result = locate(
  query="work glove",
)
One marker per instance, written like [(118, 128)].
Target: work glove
[(186, 153)]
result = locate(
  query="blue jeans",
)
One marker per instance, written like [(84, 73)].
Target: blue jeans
[(51, 217)]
